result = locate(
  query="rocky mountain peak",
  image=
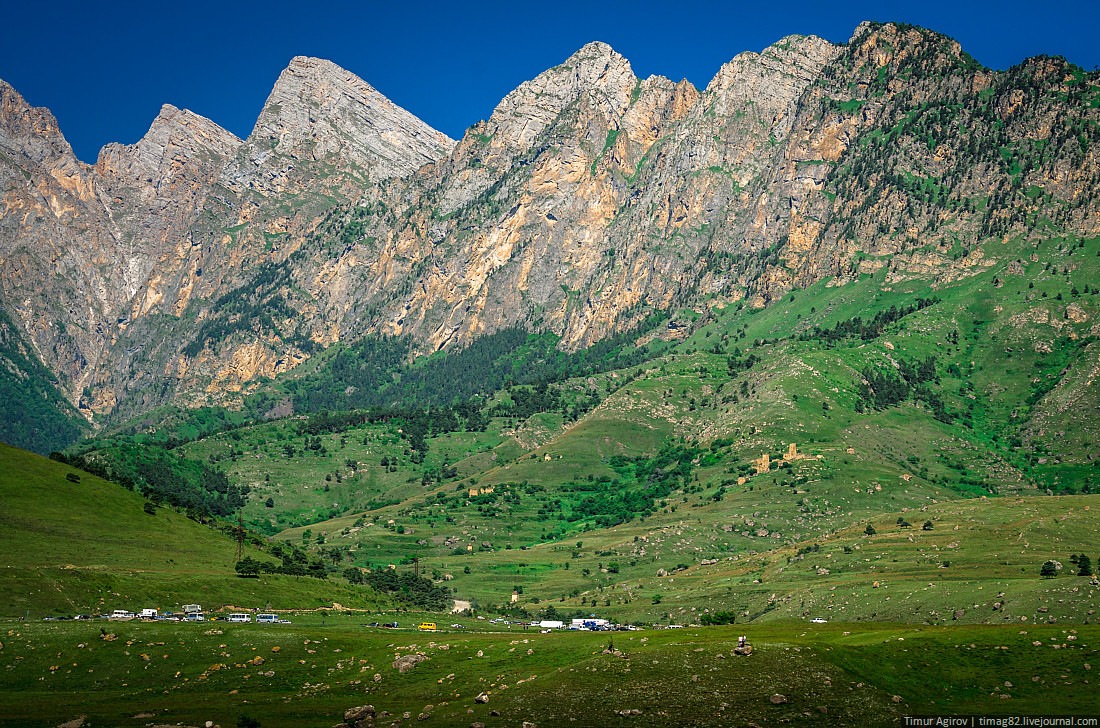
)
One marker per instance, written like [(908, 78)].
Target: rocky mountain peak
[(176, 138), (598, 65), (596, 68), (318, 110), (29, 132), (793, 61), (879, 44)]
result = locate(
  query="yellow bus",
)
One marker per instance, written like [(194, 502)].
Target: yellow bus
[(427, 626)]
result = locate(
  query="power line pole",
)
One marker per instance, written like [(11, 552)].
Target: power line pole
[(416, 565)]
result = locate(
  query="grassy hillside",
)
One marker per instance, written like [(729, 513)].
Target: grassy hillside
[(73, 543), (307, 674)]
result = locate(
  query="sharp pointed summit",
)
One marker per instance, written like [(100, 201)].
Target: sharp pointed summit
[(318, 110)]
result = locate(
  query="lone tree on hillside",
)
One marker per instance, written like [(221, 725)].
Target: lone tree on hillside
[(1050, 569), (870, 530), (1084, 566), (249, 567)]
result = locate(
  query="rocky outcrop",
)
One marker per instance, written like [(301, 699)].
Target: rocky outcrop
[(318, 113)]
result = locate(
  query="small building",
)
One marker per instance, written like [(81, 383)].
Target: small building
[(551, 624), (763, 464)]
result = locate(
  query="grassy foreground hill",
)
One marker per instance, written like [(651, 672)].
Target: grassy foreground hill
[(73, 543), (307, 674)]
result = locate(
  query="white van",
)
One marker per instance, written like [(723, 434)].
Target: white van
[(195, 617), (148, 614), (267, 619), (239, 617), (192, 608), (122, 614)]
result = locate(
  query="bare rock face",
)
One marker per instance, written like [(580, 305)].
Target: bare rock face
[(595, 79), (157, 186), (589, 196), (60, 274), (320, 113)]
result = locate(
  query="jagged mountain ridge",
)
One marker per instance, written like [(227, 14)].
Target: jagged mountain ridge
[(591, 198), (133, 236)]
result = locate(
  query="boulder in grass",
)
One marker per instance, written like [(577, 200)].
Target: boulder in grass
[(407, 662), (358, 713)]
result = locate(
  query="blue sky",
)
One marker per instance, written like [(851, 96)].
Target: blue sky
[(105, 68)]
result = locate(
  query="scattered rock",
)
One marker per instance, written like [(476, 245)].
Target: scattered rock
[(958, 614), (662, 572), (74, 723), (424, 716), (745, 650), (482, 698), (778, 699), (896, 698), (628, 713), (1075, 314), (407, 662), (361, 712)]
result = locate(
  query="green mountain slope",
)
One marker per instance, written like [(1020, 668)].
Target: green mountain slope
[(897, 396), (33, 414), (73, 543)]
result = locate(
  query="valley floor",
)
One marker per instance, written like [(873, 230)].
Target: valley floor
[(309, 673)]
